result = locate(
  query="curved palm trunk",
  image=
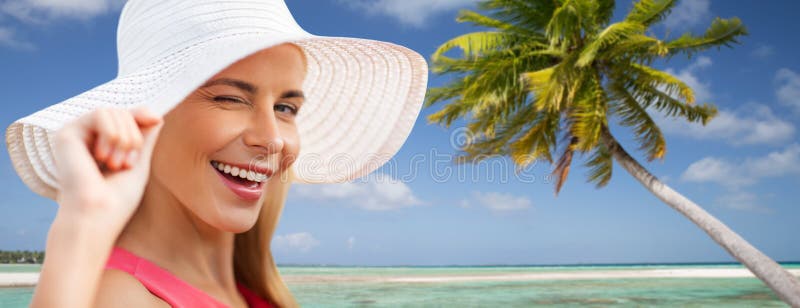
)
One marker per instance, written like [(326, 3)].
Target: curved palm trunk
[(785, 285)]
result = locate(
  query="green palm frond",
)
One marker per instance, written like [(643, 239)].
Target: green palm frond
[(660, 80), (531, 15), (605, 10), (647, 133), (649, 96), (722, 32), (611, 35), (547, 90), (565, 25), (538, 142), (556, 86), (482, 145), (648, 12), (637, 47), (587, 113), (478, 19), (449, 113), (474, 44), (600, 166)]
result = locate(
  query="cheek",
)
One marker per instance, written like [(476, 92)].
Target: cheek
[(208, 132), (187, 140), (291, 148)]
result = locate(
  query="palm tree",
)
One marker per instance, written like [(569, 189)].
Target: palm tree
[(559, 68)]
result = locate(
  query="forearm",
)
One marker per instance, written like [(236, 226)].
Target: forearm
[(76, 252)]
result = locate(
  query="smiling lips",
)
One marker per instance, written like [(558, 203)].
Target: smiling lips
[(244, 182)]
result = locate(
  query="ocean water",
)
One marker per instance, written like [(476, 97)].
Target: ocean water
[(327, 286)]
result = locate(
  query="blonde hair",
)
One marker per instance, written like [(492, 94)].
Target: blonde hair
[(253, 263)]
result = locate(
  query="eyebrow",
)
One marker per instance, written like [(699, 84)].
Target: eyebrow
[(249, 87)]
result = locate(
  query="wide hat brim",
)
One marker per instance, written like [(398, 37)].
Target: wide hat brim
[(363, 98)]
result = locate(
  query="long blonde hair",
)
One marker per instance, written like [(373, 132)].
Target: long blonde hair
[(252, 257)]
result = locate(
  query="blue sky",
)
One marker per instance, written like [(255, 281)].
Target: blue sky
[(742, 168)]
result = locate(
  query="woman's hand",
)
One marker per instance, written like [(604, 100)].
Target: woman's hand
[(103, 163)]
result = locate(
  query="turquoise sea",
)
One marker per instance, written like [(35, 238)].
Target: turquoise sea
[(340, 286)]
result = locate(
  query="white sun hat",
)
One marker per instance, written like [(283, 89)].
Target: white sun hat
[(362, 96)]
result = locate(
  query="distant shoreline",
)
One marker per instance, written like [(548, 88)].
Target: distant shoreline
[(709, 263), (693, 264), (30, 279)]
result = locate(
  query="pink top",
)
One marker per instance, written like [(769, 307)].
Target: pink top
[(170, 288)]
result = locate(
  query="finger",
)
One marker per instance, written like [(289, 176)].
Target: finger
[(127, 128), (142, 120), (133, 130), (136, 139), (108, 131), (122, 144), (143, 157), (130, 160), (150, 138), (144, 117), (104, 126)]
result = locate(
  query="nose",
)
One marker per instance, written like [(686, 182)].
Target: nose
[(264, 133)]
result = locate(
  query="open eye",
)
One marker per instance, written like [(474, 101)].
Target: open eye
[(286, 108)]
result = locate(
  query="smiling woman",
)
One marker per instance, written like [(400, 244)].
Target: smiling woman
[(241, 120), (172, 177)]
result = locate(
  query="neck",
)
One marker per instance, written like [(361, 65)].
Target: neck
[(167, 233)]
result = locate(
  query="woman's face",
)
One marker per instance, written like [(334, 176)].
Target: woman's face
[(241, 122)]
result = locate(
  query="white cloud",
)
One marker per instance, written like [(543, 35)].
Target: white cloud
[(711, 169), (788, 91), (351, 241), (8, 38), (498, 202), (764, 51), (38, 11), (734, 175), (743, 201), (409, 12), (702, 91), (378, 193), (751, 124), (688, 13), (302, 241), (44, 11)]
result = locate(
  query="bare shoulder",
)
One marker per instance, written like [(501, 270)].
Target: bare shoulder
[(119, 289)]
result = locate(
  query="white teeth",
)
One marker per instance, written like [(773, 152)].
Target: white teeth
[(242, 173)]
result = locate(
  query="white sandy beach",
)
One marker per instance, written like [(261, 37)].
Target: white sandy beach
[(18, 279), (29, 279)]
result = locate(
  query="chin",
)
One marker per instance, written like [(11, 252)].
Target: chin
[(236, 220)]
